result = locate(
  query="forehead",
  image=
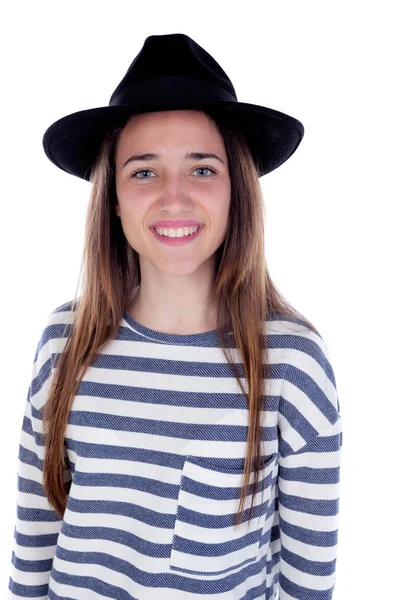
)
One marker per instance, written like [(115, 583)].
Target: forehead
[(169, 128)]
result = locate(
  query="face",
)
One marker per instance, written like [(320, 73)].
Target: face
[(193, 188)]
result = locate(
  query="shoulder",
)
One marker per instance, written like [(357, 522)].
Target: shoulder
[(54, 331), (297, 342), (52, 339), (309, 403)]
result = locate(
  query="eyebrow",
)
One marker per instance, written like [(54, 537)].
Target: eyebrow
[(188, 156)]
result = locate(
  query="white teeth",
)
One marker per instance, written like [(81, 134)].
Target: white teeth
[(181, 232)]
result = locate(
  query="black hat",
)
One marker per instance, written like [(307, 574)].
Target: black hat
[(171, 72)]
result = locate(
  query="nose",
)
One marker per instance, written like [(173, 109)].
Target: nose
[(174, 196)]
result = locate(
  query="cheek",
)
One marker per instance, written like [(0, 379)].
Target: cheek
[(219, 203), (129, 194), (128, 200), (220, 191)]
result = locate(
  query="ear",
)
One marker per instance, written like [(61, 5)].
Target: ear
[(117, 209)]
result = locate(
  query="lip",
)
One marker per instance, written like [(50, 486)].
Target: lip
[(174, 224), (177, 241)]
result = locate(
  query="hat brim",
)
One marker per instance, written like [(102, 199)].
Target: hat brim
[(73, 142)]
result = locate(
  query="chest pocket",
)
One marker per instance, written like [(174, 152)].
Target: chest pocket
[(206, 540)]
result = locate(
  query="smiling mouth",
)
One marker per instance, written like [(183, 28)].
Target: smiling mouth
[(194, 230), (176, 240)]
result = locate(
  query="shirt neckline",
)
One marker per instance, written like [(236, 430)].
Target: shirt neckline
[(173, 338)]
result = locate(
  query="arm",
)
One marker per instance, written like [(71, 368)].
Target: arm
[(309, 475), (37, 524)]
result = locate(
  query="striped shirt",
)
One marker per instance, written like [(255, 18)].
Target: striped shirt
[(155, 448)]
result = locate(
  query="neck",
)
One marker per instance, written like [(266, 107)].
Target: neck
[(192, 311)]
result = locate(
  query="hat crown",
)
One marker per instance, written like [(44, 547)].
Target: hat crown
[(164, 59)]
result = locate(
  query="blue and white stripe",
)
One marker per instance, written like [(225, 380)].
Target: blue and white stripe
[(155, 443)]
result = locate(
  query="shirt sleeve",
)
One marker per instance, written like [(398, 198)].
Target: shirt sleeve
[(37, 523), (309, 474)]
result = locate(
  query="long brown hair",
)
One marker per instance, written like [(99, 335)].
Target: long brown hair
[(244, 290)]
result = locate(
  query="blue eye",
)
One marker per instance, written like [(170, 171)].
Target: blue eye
[(142, 171), (150, 171), (205, 169)]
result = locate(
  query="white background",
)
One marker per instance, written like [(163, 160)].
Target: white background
[(332, 210)]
